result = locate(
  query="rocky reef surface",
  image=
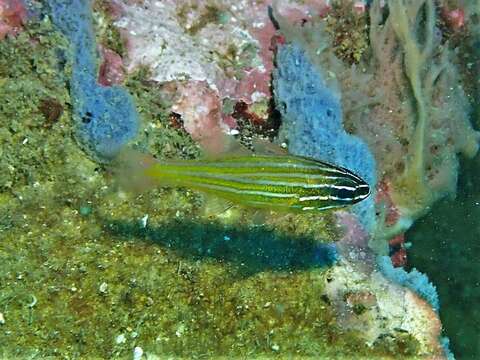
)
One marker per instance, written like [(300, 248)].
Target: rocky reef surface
[(89, 270)]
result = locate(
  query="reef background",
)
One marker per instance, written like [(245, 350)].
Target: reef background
[(90, 271)]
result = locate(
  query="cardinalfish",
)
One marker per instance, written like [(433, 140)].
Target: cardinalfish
[(285, 183)]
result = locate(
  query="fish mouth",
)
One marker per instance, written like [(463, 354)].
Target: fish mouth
[(363, 191)]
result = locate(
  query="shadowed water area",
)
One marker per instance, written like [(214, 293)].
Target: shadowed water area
[(446, 246), (251, 250)]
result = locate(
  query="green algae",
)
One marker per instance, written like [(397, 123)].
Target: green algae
[(160, 136), (211, 14), (349, 31), (77, 283), (167, 304), (30, 73), (236, 58), (106, 33)]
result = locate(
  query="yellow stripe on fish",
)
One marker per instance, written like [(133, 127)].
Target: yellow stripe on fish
[(288, 183)]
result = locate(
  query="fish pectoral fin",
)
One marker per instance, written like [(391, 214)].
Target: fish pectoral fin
[(216, 207)]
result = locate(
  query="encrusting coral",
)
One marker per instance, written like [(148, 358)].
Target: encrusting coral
[(122, 277)]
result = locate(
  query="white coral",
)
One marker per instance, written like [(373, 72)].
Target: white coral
[(158, 39)]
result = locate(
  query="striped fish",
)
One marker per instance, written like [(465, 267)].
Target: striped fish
[(286, 183)]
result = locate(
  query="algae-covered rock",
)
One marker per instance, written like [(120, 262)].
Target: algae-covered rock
[(89, 271)]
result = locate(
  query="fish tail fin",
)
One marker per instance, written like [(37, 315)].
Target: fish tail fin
[(133, 171)]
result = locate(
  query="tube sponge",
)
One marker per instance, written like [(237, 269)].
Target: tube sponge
[(312, 121), (105, 117)]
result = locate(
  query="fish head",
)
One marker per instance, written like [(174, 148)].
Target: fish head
[(351, 189)]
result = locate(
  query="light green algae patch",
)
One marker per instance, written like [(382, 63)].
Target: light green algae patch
[(160, 136), (106, 34), (88, 271), (349, 30), (34, 105)]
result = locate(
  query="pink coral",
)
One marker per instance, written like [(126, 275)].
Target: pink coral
[(384, 198), (455, 18), (114, 9), (111, 70), (200, 109), (399, 257), (391, 218), (353, 243), (353, 234), (232, 54), (12, 16), (298, 12), (256, 81), (360, 7), (254, 85)]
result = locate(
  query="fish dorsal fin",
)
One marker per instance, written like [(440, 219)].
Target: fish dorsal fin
[(230, 147), (265, 147), (236, 148)]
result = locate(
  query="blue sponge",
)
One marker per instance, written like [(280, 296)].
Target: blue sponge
[(312, 121), (105, 117), (414, 280)]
